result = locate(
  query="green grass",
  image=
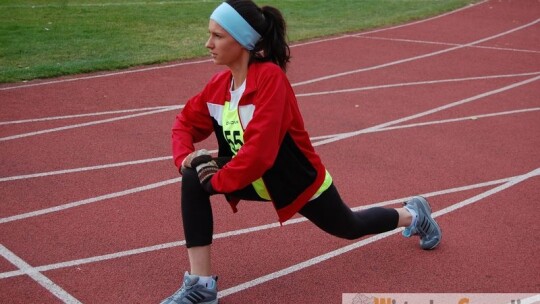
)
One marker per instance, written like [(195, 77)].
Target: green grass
[(41, 38)]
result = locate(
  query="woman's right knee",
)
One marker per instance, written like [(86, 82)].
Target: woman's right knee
[(192, 191), (190, 178)]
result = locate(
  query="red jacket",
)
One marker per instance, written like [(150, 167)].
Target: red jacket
[(275, 146)]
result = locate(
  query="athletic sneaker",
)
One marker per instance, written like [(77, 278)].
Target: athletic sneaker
[(193, 293), (423, 225)]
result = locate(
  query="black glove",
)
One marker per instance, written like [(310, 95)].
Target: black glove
[(205, 170)]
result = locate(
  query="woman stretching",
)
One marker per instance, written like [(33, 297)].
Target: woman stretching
[(265, 153)]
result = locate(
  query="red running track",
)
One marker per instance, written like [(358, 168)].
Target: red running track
[(447, 107)]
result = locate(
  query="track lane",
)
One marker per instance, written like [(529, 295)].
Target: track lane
[(105, 287)]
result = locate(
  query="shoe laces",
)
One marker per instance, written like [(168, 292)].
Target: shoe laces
[(186, 287), (421, 225)]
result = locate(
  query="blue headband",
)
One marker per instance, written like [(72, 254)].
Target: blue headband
[(230, 20)]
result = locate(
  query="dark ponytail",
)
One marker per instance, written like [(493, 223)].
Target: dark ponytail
[(270, 24)]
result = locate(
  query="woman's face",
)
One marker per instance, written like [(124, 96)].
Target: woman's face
[(224, 49)]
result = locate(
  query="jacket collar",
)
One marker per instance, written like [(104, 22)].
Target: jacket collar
[(251, 79)]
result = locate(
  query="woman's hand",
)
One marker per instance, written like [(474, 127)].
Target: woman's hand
[(186, 163), (205, 166)]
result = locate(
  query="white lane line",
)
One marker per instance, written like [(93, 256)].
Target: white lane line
[(490, 192), (472, 117), (170, 108), (449, 44), (315, 138), (375, 87), (86, 124), (319, 143), (384, 65), (32, 120), (41, 279), (393, 27), (416, 83), (227, 234), (358, 70), (364, 242), (146, 69), (83, 169), (90, 168), (422, 20), (428, 112), (532, 300), (88, 201)]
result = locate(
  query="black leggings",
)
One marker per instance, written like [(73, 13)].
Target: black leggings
[(328, 212)]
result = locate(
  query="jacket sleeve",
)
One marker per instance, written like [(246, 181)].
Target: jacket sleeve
[(193, 124), (263, 136)]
